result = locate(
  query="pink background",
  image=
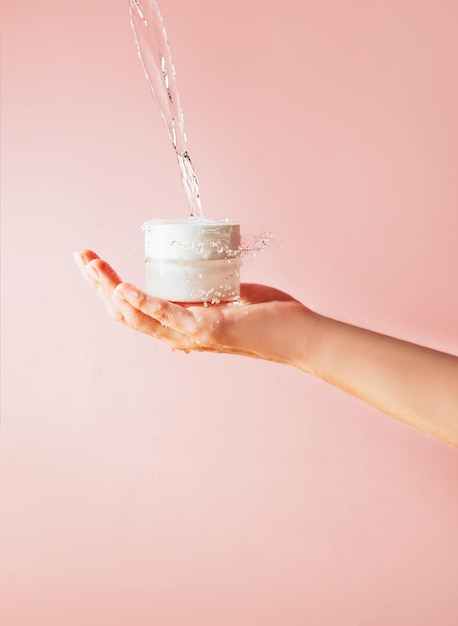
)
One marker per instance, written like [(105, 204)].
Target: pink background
[(141, 486)]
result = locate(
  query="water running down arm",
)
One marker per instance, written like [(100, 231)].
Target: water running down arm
[(414, 384)]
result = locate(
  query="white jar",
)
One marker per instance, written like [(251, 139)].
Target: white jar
[(192, 260)]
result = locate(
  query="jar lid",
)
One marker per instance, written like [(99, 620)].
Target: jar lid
[(192, 239)]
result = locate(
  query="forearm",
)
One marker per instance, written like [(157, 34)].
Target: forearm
[(414, 384)]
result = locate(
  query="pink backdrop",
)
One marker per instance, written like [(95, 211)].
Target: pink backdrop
[(141, 486)]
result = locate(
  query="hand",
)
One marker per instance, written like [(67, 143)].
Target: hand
[(266, 323), (412, 383)]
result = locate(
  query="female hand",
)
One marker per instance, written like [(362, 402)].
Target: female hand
[(266, 323), (412, 383)]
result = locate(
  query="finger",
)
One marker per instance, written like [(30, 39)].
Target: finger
[(133, 318), (101, 272), (83, 257), (103, 279), (168, 314), (88, 256)]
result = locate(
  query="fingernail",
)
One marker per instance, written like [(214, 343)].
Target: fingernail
[(79, 259), (91, 271)]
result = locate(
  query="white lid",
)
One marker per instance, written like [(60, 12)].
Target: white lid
[(192, 239)]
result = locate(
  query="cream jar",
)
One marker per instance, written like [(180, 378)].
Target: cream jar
[(193, 260)]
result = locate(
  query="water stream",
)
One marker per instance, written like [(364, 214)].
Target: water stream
[(154, 53)]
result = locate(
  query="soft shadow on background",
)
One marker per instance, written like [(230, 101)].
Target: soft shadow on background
[(142, 486)]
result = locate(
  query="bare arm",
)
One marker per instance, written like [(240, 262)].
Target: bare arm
[(411, 383)]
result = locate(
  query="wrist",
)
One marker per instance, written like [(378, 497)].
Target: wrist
[(310, 332)]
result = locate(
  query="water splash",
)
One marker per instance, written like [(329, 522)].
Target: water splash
[(154, 53), (250, 247)]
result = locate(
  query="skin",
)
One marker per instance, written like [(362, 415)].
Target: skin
[(414, 384)]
